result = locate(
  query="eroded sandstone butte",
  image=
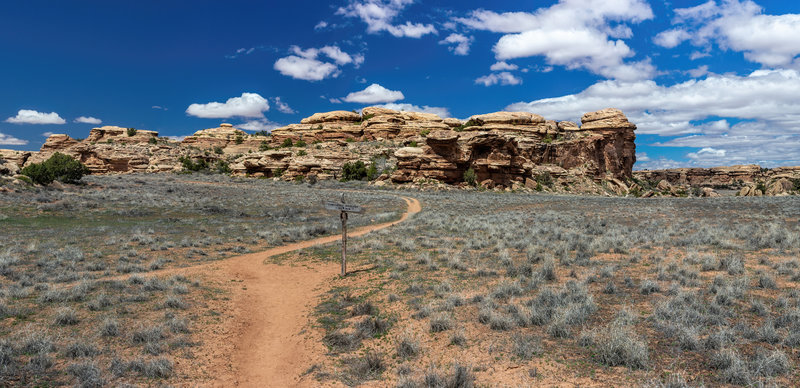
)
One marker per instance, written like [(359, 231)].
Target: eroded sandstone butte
[(505, 149)]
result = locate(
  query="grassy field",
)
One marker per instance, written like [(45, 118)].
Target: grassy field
[(80, 302), (518, 290), (478, 289)]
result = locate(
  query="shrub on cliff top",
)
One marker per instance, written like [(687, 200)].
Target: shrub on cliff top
[(59, 167)]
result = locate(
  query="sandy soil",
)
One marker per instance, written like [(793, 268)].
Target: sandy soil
[(261, 340)]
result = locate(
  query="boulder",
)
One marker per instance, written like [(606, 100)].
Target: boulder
[(779, 186), (708, 192), (111, 133), (516, 118)]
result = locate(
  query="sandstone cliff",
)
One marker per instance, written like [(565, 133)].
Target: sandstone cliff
[(504, 149)]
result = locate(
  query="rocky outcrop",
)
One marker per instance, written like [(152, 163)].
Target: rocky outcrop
[(224, 138), (715, 176), (11, 161), (508, 147), (112, 134)]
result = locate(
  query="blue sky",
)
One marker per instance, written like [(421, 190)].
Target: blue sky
[(707, 82)]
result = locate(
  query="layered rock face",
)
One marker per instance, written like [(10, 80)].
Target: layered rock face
[(505, 149), (750, 180), (11, 161), (508, 147)]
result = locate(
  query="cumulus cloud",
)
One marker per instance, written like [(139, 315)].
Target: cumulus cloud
[(503, 66), (11, 140), (374, 94), (306, 65), (502, 78), (574, 34), (379, 15), (258, 125), (88, 120), (247, 105), (27, 116), (770, 40), (754, 118), (458, 44), (439, 111), (321, 25)]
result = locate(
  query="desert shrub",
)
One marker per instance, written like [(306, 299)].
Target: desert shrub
[(525, 347), (354, 171), (66, 316), (131, 132), (239, 139), (470, 177), (368, 367), (441, 322), (407, 346), (58, 167), (620, 345), (87, 374), (109, 328), (190, 165), (287, 143), (222, 167), (341, 341), (372, 327), (80, 349), (218, 150), (300, 143), (264, 146), (153, 140)]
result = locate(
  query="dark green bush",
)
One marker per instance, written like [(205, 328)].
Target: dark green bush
[(222, 167), (218, 150), (300, 143), (264, 146), (239, 139), (153, 140), (471, 177), (287, 142), (131, 131), (354, 171), (59, 167), (191, 165)]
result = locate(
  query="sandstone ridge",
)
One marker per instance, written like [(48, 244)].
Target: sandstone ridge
[(506, 150)]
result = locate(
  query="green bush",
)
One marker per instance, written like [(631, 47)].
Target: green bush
[(153, 140), (222, 167), (239, 139), (302, 153), (264, 146), (190, 165), (372, 172), (287, 142), (131, 132), (354, 171), (545, 179), (300, 143), (471, 177), (59, 167), (218, 150)]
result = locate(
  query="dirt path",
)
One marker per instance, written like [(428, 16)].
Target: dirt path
[(271, 303)]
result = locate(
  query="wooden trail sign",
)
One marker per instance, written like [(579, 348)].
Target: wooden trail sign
[(343, 209)]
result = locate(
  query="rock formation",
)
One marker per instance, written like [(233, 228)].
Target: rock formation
[(508, 147)]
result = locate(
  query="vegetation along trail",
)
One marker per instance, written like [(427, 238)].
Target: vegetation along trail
[(271, 303)]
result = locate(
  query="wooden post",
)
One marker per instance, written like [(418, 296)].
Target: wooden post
[(343, 216)]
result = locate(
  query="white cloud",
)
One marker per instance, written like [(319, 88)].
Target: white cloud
[(698, 72), (306, 69), (48, 134), (707, 151), (11, 140), (502, 78), (374, 94), (247, 105), (763, 106), (770, 40), (439, 111), (574, 34), (258, 125), (306, 65), (88, 120), (671, 38), (458, 44), (502, 66), (159, 107), (321, 25), (642, 157), (379, 15), (283, 107), (177, 138), (27, 116)]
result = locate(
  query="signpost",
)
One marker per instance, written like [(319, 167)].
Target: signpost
[(343, 208)]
